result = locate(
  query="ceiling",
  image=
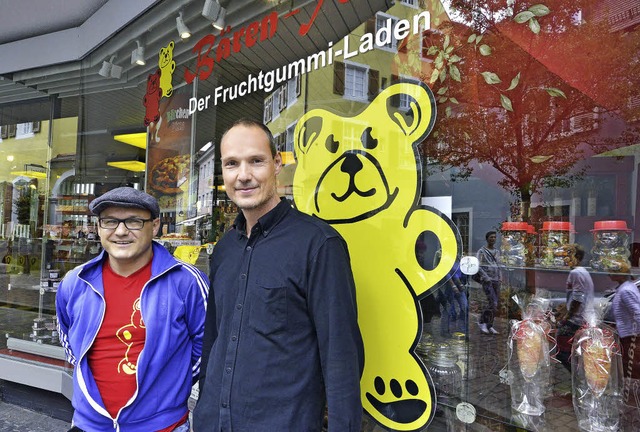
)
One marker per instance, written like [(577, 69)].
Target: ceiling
[(111, 105), (18, 21)]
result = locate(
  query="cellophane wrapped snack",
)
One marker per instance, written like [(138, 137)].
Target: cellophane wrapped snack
[(529, 361), (596, 370)]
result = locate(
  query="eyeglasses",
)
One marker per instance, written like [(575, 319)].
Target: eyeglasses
[(132, 224)]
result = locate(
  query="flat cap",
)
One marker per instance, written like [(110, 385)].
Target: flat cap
[(125, 197)]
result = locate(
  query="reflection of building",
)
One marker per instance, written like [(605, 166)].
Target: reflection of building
[(344, 85)]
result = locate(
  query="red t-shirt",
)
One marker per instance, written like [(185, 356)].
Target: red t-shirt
[(113, 356)]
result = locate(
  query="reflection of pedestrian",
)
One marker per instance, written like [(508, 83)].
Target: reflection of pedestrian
[(489, 274), (626, 311), (579, 306), (452, 297), (457, 284), (579, 291)]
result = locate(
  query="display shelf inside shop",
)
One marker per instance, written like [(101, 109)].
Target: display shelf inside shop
[(635, 271)]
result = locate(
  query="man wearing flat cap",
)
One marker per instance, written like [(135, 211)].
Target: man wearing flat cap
[(131, 321)]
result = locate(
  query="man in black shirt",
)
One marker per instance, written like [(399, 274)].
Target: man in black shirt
[(281, 336)]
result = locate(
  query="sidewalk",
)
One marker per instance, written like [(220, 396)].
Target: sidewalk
[(14, 418)]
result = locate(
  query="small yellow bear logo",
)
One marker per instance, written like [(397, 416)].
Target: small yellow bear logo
[(167, 66), (362, 175)]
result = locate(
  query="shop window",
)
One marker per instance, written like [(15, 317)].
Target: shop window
[(430, 38), (382, 21), (293, 90), (461, 220), (412, 3), (267, 109), (275, 100), (355, 81), (404, 98), (24, 130), (351, 134), (288, 147), (282, 99), (574, 123)]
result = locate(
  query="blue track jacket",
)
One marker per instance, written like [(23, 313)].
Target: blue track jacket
[(173, 307)]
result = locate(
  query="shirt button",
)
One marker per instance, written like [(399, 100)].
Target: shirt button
[(233, 338), (239, 306), (228, 370), (224, 404), (243, 276), (248, 248)]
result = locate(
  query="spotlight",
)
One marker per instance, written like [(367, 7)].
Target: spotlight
[(215, 11), (183, 30), (116, 71), (105, 70), (137, 55), (211, 10), (219, 22), (110, 70)]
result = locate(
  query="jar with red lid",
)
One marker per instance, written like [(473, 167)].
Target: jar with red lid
[(556, 248), (530, 244), (513, 246), (610, 250)]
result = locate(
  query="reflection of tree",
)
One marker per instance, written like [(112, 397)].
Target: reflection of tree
[(527, 89)]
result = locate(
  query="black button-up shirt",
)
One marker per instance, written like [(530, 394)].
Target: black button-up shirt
[(281, 336)]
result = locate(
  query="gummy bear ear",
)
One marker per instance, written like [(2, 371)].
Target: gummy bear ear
[(171, 45), (418, 119), (308, 132)]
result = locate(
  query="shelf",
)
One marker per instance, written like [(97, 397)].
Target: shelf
[(87, 197), (635, 271), (73, 212)]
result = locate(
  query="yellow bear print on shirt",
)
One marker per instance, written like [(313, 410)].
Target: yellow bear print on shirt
[(362, 175)]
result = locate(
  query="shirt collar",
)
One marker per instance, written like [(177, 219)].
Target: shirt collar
[(267, 222)]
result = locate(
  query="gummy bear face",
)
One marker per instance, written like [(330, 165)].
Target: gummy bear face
[(153, 82), (357, 181), (166, 55)]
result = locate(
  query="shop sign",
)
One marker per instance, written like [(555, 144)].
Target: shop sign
[(259, 31)]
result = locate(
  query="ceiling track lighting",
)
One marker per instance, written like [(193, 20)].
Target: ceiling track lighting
[(110, 70), (216, 12), (137, 55), (183, 30)]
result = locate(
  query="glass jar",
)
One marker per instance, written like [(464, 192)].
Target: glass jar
[(610, 250), (460, 348), (530, 245), (446, 374), (424, 346), (555, 248), (513, 250)]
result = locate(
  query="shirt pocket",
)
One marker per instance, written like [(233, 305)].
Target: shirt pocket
[(268, 312)]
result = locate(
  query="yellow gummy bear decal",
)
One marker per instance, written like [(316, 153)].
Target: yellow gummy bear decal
[(362, 175), (167, 66)]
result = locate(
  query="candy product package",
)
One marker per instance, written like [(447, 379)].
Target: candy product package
[(529, 359), (596, 372)]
